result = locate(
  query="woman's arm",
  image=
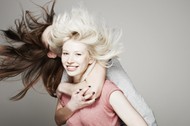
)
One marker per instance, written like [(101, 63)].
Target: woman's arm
[(125, 110), (95, 78), (119, 76), (68, 88), (62, 114)]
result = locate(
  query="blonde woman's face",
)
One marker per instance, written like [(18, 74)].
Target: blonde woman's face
[(75, 58)]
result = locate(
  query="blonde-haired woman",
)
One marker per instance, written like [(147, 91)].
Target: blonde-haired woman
[(81, 41)]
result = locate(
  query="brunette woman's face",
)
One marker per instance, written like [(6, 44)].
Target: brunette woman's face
[(45, 35)]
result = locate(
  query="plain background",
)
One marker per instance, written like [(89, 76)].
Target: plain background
[(156, 37)]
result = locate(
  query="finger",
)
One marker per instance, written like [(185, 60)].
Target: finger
[(89, 102), (84, 90), (83, 99), (89, 96), (77, 91)]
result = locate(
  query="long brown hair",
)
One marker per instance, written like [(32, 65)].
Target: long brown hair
[(24, 53)]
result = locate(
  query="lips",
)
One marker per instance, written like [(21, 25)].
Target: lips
[(71, 68)]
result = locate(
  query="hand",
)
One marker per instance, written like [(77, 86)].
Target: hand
[(80, 99), (90, 91)]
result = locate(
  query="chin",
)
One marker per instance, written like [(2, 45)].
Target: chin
[(71, 74)]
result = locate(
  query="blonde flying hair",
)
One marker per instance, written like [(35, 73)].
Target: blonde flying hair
[(102, 41)]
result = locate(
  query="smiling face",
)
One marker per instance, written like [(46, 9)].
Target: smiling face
[(75, 59)]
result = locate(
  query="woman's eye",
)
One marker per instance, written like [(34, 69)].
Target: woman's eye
[(65, 53), (78, 54)]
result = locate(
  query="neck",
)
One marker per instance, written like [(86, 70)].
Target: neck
[(77, 79)]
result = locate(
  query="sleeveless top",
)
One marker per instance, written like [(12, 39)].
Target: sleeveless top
[(99, 113)]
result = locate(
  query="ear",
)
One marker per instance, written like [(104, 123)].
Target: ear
[(51, 54), (91, 60)]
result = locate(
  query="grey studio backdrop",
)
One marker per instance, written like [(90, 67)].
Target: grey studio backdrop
[(156, 56)]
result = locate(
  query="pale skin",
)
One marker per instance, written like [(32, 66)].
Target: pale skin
[(76, 71), (67, 88), (90, 80), (117, 99)]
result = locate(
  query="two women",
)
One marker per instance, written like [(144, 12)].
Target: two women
[(28, 53), (81, 41)]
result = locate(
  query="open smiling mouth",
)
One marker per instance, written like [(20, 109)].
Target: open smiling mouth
[(71, 68)]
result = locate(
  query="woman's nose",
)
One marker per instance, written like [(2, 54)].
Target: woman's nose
[(70, 59)]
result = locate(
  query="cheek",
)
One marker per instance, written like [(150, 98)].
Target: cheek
[(85, 62), (63, 59)]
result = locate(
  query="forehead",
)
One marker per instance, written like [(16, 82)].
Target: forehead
[(74, 45), (45, 35)]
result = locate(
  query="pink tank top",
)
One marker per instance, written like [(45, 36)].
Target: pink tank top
[(100, 113)]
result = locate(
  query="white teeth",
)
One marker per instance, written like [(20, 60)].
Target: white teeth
[(71, 68)]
